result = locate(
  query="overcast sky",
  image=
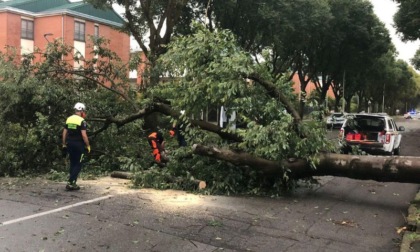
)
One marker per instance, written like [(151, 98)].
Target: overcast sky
[(385, 10)]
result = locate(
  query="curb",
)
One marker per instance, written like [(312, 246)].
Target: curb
[(411, 238)]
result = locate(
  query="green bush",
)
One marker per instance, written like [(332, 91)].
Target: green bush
[(28, 149)]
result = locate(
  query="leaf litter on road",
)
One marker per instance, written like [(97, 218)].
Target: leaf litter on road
[(346, 223)]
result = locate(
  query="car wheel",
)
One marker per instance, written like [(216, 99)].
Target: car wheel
[(397, 151), (345, 150)]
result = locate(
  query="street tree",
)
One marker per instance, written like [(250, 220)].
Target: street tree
[(416, 60), (407, 23), (152, 23), (356, 40), (381, 81), (406, 86), (317, 40), (406, 19), (287, 32)]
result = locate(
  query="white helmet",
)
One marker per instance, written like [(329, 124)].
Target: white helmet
[(80, 106)]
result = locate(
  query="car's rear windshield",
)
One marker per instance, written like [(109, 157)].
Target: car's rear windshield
[(367, 123)]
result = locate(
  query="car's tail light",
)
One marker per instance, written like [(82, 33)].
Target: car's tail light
[(381, 137), (387, 138)]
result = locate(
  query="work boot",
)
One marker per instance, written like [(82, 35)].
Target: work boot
[(72, 186), (75, 186)]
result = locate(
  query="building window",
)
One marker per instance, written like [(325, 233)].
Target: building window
[(96, 31), (27, 30), (79, 31)]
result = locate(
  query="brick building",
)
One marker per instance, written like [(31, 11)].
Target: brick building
[(309, 88), (30, 24)]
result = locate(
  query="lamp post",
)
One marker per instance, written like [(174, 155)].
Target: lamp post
[(46, 35)]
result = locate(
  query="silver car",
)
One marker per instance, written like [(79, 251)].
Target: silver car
[(335, 120)]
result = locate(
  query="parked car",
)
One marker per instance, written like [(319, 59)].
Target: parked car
[(335, 120), (372, 133), (407, 115), (412, 115)]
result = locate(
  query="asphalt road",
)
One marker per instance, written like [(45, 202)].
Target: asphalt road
[(338, 214)]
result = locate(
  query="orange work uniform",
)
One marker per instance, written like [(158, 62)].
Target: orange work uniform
[(155, 140)]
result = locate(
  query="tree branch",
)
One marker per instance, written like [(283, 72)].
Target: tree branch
[(120, 122), (272, 91), (166, 110)]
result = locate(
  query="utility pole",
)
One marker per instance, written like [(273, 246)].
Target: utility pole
[(383, 99)]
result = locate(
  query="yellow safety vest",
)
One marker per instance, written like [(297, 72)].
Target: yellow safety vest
[(74, 121)]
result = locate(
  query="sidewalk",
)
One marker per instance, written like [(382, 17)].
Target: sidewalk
[(411, 238)]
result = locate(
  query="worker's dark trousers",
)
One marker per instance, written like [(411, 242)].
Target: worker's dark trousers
[(181, 140), (76, 151)]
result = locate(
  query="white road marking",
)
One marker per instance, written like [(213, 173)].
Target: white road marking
[(53, 211)]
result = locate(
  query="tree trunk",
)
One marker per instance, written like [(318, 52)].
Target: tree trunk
[(337, 103), (404, 169), (348, 106), (122, 175), (128, 175)]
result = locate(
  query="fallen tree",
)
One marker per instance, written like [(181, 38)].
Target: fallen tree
[(405, 169)]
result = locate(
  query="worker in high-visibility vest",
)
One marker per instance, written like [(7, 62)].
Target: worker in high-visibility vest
[(157, 143), (75, 143)]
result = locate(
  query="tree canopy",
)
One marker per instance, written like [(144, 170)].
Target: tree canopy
[(407, 19), (407, 23)]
